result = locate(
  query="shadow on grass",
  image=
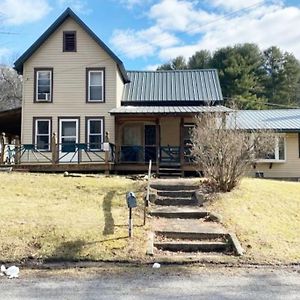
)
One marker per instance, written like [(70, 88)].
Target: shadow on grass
[(108, 218), (67, 251)]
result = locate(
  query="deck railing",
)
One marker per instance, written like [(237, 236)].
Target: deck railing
[(57, 153), (167, 154)]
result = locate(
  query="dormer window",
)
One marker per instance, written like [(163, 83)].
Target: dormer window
[(69, 41), (43, 84)]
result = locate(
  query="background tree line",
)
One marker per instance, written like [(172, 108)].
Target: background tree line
[(252, 78)]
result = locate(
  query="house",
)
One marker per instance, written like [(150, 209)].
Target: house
[(78, 100), (284, 161)]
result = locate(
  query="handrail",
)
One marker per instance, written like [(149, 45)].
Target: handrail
[(148, 191)]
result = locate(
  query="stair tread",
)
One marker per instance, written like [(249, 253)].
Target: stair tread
[(193, 242), (179, 209)]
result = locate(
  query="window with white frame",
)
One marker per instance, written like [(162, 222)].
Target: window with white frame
[(43, 85), (95, 82), (42, 134), (276, 154), (95, 133)]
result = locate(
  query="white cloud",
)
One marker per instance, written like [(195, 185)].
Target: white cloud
[(143, 42), (80, 6), (152, 67), (179, 15), (17, 12), (265, 23), (5, 56), (235, 4), (129, 4)]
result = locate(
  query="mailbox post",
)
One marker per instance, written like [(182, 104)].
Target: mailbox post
[(131, 203)]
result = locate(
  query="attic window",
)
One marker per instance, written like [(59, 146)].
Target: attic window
[(69, 41)]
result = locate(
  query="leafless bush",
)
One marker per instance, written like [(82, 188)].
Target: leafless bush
[(10, 84), (223, 153)]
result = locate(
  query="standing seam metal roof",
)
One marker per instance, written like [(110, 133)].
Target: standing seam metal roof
[(173, 85), (275, 119)]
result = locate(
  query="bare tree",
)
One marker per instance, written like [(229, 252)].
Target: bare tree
[(223, 153), (10, 85)]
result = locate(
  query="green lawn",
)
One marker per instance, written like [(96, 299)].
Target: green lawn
[(52, 217), (265, 214)]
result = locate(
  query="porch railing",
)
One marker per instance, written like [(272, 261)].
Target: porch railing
[(163, 154), (56, 153)]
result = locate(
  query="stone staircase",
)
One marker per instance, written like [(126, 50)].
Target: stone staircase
[(180, 225)]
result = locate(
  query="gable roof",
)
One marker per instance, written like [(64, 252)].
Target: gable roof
[(190, 87), (285, 120), (68, 13)]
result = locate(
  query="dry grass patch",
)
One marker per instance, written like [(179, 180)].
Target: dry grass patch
[(51, 217), (265, 214)]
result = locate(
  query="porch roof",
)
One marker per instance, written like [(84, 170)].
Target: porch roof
[(285, 120), (168, 109)]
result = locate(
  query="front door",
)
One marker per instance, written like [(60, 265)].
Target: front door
[(68, 137), (150, 143)]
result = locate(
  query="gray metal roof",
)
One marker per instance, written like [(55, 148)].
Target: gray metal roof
[(275, 119), (172, 86), (168, 109)]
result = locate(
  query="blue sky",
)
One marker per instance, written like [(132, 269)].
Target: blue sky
[(147, 33)]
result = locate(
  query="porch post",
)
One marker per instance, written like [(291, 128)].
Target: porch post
[(54, 148), (106, 154), (18, 150), (2, 145), (157, 142), (117, 140), (181, 145)]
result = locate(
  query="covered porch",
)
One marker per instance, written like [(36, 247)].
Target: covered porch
[(161, 134)]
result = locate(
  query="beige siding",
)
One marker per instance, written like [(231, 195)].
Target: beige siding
[(170, 131), (69, 83), (289, 168)]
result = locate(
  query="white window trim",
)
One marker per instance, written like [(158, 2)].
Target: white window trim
[(37, 85), (102, 85), (94, 134), (276, 160), (36, 134)]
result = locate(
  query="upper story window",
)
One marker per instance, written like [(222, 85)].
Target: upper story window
[(43, 85), (69, 41), (42, 133), (95, 85)]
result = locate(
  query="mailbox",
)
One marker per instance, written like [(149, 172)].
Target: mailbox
[(131, 200)]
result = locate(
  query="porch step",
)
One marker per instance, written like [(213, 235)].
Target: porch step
[(191, 246), (187, 212), (174, 187), (176, 201), (191, 235), (176, 194)]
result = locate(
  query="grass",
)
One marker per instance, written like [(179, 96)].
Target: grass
[(265, 214), (51, 217)]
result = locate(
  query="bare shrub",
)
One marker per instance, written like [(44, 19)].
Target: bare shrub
[(223, 153)]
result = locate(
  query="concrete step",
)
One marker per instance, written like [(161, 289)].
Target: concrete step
[(191, 235), (178, 212), (191, 246), (175, 194), (176, 201), (173, 187)]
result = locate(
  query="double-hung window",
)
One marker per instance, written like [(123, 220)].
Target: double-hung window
[(43, 85), (95, 133), (42, 137), (95, 85), (277, 154)]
